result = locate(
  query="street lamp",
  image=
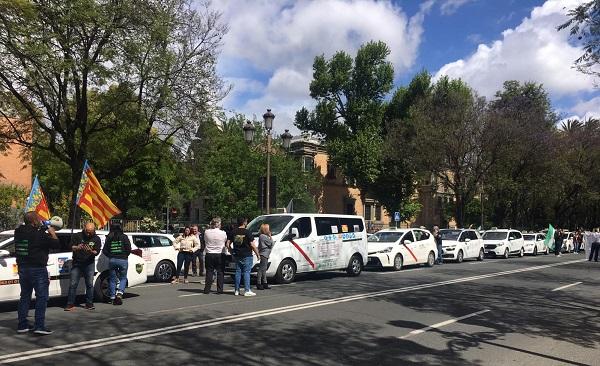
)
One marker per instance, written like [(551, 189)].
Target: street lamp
[(249, 130), (286, 138), (268, 119)]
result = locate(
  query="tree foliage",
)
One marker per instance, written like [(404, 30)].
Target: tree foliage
[(584, 24)]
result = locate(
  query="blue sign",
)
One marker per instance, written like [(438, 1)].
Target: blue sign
[(396, 216)]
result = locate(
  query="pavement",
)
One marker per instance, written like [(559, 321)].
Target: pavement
[(522, 311)]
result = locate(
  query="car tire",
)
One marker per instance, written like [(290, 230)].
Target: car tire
[(286, 272), (164, 271), (506, 254), (430, 259), (101, 287), (535, 253), (460, 256), (522, 252), (398, 262), (481, 255), (354, 266)]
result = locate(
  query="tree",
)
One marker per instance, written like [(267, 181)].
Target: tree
[(157, 58), (12, 202), (584, 23)]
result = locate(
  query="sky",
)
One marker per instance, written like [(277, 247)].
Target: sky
[(268, 52)]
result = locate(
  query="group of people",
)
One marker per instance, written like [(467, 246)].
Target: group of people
[(581, 238), (212, 246), (33, 242)]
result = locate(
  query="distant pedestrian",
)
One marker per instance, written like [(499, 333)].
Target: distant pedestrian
[(117, 248), (186, 244), (241, 244), (198, 255), (559, 238), (577, 240), (85, 245), (32, 247), (595, 246), (215, 240), (437, 236), (265, 244)]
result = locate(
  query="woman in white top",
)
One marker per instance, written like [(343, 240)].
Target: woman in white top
[(214, 241), (186, 244)]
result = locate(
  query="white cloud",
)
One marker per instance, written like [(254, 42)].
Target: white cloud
[(450, 7), (279, 40), (586, 109), (533, 51)]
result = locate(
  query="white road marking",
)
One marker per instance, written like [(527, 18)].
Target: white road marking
[(442, 324), (400, 271), (100, 342), (486, 262), (567, 286), (151, 285)]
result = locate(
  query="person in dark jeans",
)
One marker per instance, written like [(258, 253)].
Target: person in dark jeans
[(32, 247), (558, 242), (117, 248), (215, 241), (594, 250), (243, 246), (437, 236), (86, 245), (198, 269), (265, 244)]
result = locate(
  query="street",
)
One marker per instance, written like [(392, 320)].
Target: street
[(522, 311)]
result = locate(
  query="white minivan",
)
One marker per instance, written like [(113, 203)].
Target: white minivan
[(395, 248), (312, 242), (158, 252), (460, 244), (503, 243)]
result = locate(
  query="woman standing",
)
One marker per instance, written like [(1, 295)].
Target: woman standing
[(186, 244), (265, 244)]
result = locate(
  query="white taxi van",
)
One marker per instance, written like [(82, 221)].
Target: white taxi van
[(394, 248), (534, 243), (312, 242), (59, 268), (503, 243), (158, 253), (461, 244)]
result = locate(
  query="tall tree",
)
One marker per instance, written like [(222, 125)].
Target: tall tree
[(159, 56), (584, 24)]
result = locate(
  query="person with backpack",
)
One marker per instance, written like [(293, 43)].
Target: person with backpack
[(241, 244), (117, 248)]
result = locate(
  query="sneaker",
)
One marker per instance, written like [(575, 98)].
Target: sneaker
[(118, 300), (24, 330), (266, 287), (249, 293), (186, 281), (206, 292), (42, 331), (176, 280), (236, 293), (70, 308), (558, 256), (259, 287), (89, 307)]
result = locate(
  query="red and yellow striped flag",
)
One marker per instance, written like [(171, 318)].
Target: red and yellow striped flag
[(92, 199)]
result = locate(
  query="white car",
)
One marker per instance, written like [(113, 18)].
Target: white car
[(460, 244), (396, 248), (568, 246), (158, 252), (534, 243), (503, 243), (59, 268)]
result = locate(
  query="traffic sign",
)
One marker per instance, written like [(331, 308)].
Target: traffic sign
[(396, 216)]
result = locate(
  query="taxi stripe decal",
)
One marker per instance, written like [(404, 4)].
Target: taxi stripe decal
[(304, 254), (411, 252)]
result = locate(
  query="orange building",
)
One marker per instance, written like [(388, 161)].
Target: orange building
[(15, 166)]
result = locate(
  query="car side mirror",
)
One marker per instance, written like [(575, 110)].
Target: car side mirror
[(511, 239), (4, 253), (406, 242), (467, 240), (293, 233)]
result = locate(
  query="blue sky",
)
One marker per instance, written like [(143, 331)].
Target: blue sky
[(268, 52)]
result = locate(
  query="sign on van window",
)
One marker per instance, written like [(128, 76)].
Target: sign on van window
[(344, 228), (334, 229)]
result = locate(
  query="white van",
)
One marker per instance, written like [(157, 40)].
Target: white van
[(59, 268), (312, 242), (503, 243)]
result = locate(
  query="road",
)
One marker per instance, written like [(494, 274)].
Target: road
[(521, 311)]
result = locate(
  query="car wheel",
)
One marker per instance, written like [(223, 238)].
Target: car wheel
[(398, 262), (286, 271), (521, 252), (164, 271), (460, 256), (430, 259), (506, 254), (535, 251), (355, 266), (481, 255), (101, 287)]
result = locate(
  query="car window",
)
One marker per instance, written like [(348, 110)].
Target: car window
[(541, 237), (385, 237), (450, 234), (161, 241), (408, 236), (327, 225), (351, 225), (517, 235), (142, 241), (10, 246), (529, 237), (495, 235), (304, 227), (464, 236), (473, 235)]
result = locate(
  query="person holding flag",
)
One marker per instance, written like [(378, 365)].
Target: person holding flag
[(549, 241)]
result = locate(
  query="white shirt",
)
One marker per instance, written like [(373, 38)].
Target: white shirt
[(215, 241)]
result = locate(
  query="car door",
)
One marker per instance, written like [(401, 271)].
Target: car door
[(9, 274), (149, 252), (423, 244), (305, 250), (409, 248), (473, 245), (59, 267)]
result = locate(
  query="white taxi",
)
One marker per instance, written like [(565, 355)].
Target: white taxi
[(158, 252), (503, 243), (59, 267), (460, 244), (534, 243), (395, 248)]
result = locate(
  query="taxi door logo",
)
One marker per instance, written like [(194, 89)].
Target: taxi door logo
[(15, 269), (139, 267)]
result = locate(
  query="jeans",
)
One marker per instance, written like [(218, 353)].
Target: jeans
[(594, 251), (214, 262), (31, 279), (262, 271), (440, 258), (183, 257), (243, 266), (88, 274), (198, 254), (117, 267), (557, 248)]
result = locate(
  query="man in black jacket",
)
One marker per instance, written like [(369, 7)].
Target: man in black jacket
[(117, 248), (86, 246), (32, 246)]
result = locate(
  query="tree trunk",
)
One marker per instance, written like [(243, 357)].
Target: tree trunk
[(74, 215)]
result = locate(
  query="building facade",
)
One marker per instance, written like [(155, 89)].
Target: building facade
[(15, 165)]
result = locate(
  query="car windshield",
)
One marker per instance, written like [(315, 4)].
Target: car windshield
[(529, 237), (450, 234), (276, 223), (386, 237), (495, 235), (3, 237)]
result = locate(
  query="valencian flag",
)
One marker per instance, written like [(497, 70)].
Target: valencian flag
[(37, 201), (549, 242), (92, 199)]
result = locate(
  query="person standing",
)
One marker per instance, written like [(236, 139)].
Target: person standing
[(86, 245), (437, 236), (186, 244), (594, 238), (243, 246), (558, 242), (215, 241), (32, 247), (265, 244), (117, 248), (577, 240), (198, 270)]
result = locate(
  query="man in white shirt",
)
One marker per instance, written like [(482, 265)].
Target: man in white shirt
[(215, 240)]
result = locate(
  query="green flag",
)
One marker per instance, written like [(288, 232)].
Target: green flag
[(549, 242)]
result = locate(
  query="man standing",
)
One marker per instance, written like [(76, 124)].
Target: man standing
[(215, 241), (437, 236), (32, 246), (558, 242), (243, 246), (199, 254), (86, 246), (117, 248)]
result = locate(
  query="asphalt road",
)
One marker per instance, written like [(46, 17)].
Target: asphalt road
[(496, 312)]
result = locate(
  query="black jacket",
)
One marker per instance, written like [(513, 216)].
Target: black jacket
[(32, 246), (117, 245), (83, 257)]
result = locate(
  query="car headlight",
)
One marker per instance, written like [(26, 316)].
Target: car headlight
[(386, 250)]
